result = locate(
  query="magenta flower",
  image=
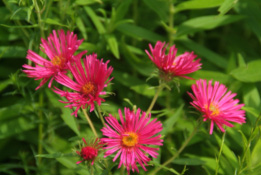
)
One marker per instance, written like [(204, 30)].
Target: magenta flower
[(170, 65), (216, 104), (60, 50), (88, 85), (89, 151), (131, 139)]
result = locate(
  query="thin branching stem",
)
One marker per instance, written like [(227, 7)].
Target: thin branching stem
[(40, 127), (220, 152), (100, 115), (161, 86), (180, 149), (90, 122)]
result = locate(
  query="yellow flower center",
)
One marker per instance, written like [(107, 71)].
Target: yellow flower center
[(57, 61), (130, 140), (89, 88), (214, 109)]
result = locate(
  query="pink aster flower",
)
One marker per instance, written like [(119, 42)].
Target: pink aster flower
[(132, 138), (60, 50), (216, 104), (171, 65), (89, 83), (89, 151)]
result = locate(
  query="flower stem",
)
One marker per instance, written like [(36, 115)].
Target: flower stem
[(171, 22), (220, 152), (40, 127), (100, 115), (161, 86), (247, 146), (90, 123), (180, 149), (38, 12)]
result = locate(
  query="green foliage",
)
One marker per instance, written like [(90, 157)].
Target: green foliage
[(38, 135)]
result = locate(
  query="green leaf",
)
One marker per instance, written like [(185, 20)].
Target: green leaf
[(54, 22), (198, 4), (203, 51), (4, 84), (251, 9), (144, 89), (255, 155), (250, 73), (95, 19), (241, 61), (12, 52), (166, 168), (210, 75), (210, 164), (113, 45), (169, 123), (160, 7), (230, 155), (66, 112), (88, 46), (126, 79), (226, 6), (139, 32), (87, 2), (189, 161), (252, 111), (205, 23), (23, 26), (55, 155), (15, 126), (140, 65), (81, 27)]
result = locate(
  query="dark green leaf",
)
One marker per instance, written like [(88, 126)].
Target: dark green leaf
[(205, 23), (250, 73), (198, 4)]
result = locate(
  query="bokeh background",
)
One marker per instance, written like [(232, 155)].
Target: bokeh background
[(39, 136)]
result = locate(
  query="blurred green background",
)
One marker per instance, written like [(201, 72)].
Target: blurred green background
[(225, 34)]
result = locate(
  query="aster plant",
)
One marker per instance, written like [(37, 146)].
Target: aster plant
[(60, 50), (216, 104), (89, 151), (88, 84), (170, 65), (136, 138), (132, 138)]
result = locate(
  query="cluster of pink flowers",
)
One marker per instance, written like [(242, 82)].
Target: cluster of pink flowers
[(131, 138), (214, 102), (90, 79)]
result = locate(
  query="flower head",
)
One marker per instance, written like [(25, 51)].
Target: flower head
[(216, 104), (170, 65), (89, 83), (89, 151), (132, 138), (60, 50)]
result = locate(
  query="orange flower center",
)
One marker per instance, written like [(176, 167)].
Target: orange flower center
[(89, 88), (214, 109), (130, 140), (58, 61)]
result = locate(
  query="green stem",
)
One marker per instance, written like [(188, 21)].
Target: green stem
[(122, 170), (247, 147), (220, 152), (179, 151), (40, 127), (38, 12), (90, 123), (100, 115), (171, 22), (161, 86)]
